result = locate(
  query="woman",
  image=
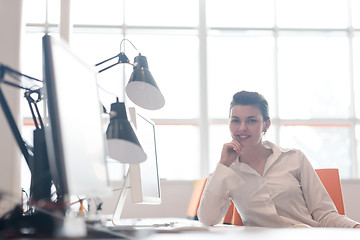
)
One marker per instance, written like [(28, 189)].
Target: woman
[(270, 186)]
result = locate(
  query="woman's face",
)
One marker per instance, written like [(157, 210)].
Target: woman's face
[(247, 125)]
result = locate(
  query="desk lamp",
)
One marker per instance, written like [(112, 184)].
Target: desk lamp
[(144, 92), (122, 141), (141, 88), (36, 155)]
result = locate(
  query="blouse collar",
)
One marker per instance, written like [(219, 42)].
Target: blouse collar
[(276, 152)]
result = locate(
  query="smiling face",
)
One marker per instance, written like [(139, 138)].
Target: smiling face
[(247, 125)]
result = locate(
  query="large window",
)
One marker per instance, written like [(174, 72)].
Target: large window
[(302, 55)]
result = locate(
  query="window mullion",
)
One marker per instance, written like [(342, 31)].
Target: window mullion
[(204, 121)]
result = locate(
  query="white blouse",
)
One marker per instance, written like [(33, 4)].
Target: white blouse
[(288, 193)]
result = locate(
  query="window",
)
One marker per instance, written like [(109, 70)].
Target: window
[(202, 52)]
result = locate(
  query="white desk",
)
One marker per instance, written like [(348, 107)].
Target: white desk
[(230, 232), (252, 233), (194, 230), (246, 233)]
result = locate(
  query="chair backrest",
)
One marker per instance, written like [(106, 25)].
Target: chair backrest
[(195, 198), (228, 219), (331, 180), (232, 216)]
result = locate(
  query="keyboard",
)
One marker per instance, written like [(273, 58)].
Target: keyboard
[(160, 224), (140, 228)]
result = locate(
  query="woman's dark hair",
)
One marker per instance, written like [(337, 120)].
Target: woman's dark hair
[(253, 99)]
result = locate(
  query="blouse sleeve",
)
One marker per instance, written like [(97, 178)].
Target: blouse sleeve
[(215, 198), (318, 200)]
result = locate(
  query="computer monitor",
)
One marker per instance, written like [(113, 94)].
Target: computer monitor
[(142, 179), (75, 135)]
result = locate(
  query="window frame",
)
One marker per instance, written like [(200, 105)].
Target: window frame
[(205, 121)]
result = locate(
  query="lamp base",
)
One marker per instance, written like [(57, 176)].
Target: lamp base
[(15, 224)]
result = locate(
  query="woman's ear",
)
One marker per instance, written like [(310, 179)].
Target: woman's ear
[(266, 125)]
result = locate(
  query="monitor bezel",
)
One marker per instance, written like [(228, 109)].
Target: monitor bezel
[(136, 179), (59, 165), (54, 153), (132, 181)]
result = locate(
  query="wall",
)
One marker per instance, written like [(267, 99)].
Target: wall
[(10, 28), (174, 201), (351, 195)]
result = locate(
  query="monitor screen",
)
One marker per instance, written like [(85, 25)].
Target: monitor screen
[(144, 177), (75, 134)]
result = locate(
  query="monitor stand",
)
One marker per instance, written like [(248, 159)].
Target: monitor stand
[(132, 182), (121, 201)]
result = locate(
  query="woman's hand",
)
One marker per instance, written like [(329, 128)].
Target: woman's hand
[(230, 152)]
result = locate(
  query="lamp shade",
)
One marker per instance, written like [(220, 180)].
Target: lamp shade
[(123, 144), (142, 88)]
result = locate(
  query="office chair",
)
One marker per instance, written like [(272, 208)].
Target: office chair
[(331, 180), (194, 203), (232, 216)]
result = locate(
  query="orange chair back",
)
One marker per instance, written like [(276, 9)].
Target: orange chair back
[(229, 214), (194, 203), (236, 220), (232, 216), (331, 180)]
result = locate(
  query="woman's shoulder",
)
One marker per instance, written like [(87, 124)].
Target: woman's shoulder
[(278, 151), (276, 148)]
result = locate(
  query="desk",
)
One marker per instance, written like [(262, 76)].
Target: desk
[(253, 233), (197, 231), (229, 232)]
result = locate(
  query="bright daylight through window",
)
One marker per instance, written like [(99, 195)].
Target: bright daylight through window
[(203, 51)]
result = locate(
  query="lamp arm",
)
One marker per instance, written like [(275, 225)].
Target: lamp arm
[(122, 59), (35, 157), (104, 69), (12, 72), (39, 116), (37, 119), (15, 74), (106, 60), (33, 104), (24, 147), (14, 85)]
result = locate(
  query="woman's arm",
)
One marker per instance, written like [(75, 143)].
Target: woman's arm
[(318, 200), (215, 198), (212, 208)]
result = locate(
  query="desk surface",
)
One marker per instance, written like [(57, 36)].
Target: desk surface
[(194, 230), (229, 232), (252, 233)]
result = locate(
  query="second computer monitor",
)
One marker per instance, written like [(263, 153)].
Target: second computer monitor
[(144, 177)]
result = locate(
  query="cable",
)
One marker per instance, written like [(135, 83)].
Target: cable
[(129, 42), (7, 220)]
